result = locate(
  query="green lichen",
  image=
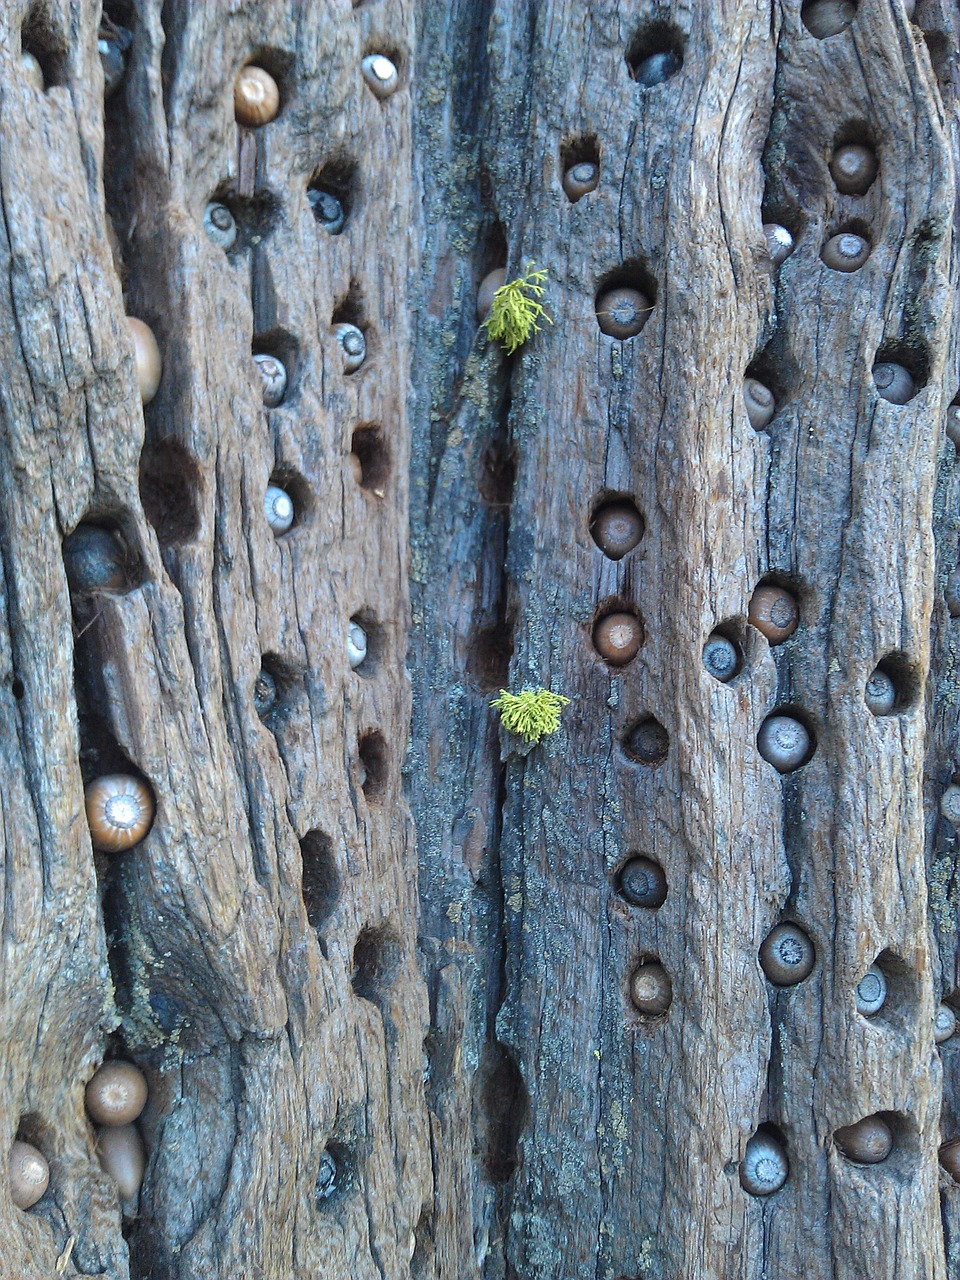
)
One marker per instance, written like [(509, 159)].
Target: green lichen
[(532, 713), (516, 309)]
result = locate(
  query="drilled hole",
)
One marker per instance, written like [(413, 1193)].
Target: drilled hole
[(171, 484), (373, 765), (500, 1111), (376, 963), (330, 193), (655, 54), (580, 166), (369, 447), (490, 655), (321, 878)]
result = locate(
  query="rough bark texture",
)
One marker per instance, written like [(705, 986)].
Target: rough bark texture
[(369, 930)]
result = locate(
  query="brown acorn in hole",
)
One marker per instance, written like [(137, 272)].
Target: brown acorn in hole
[(256, 97), (651, 989), (617, 528), (949, 1156), (580, 179), (622, 312), (116, 1094), (853, 169), (774, 612), (868, 1141), (617, 638), (29, 1174), (119, 811)]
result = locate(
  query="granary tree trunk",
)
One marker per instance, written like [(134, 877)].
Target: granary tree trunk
[(415, 997)]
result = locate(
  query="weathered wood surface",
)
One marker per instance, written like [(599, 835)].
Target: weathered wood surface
[(462, 1043)]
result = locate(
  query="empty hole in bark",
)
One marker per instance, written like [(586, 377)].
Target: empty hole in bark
[(336, 177), (775, 369), (98, 557), (632, 274), (171, 484), (492, 241), (376, 963), (942, 51), (369, 447), (350, 310), (283, 346), (38, 38), (335, 1175), (498, 474), (500, 1108), (376, 642), (914, 358), (616, 524), (292, 482), (16, 688), (36, 1131), (274, 688), (582, 150), (655, 53), (421, 1256), (321, 877), (374, 765), (616, 632), (905, 677), (490, 654), (646, 742), (256, 216)]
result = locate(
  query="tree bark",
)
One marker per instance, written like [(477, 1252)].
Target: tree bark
[(374, 955)]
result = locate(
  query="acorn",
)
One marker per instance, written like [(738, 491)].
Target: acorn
[(146, 358), (327, 210), (871, 993), (787, 955), (356, 644), (94, 559), (651, 989), (721, 657), (867, 1142), (32, 72), (880, 694), (220, 225), (774, 612), (617, 638), (380, 74), (950, 804), (824, 18), (845, 252), (352, 344), (951, 593), (327, 1177), (122, 1155), (893, 382), (783, 742), (617, 528), (622, 312), (29, 1174), (779, 242), (944, 1023), (759, 402), (278, 508), (656, 68), (489, 285), (953, 425), (643, 883), (647, 742), (273, 377), (119, 812), (113, 44), (256, 97), (853, 169), (580, 179), (116, 1093), (264, 693), (764, 1167), (949, 1157)]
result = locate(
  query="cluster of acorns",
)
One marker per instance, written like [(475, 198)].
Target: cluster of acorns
[(115, 1098)]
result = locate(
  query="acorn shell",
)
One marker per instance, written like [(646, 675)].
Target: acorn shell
[(380, 74), (656, 68), (264, 693), (651, 989), (774, 612), (119, 812), (278, 508), (647, 742), (617, 638), (643, 883), (894, 383), (951, 593), (787, 955), (352, 344), (32, 71), (622, 312), (121, 1153), (953, 425), (944, 1024), (949, 1157), (356, 644), (880, 694), (764, 1167), (950, 804), (256, 97), (824, 18), (759, 402), (721, 657), (220, 225), (871, 992), (94, 559), (116, 1093), (489, 285), (617, 528), (327, 210), (845, 252), (779, 242), (853, 169), (580, 179), (273, 378), (783, 742), (867, 1142), (146, 358), (29, 1174)]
